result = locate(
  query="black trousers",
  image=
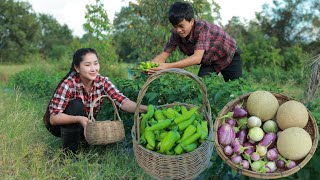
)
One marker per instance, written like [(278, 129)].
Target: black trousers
[(71, 134), (231, 72)]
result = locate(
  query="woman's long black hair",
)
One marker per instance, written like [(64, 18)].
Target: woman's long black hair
[(77, 59)]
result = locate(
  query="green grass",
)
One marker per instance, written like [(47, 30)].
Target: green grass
[(29, 151), (7, 70)]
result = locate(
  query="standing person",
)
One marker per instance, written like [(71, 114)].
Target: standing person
[(68, 109), (206, 44)]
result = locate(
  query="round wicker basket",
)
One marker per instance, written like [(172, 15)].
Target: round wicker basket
[(184, 166), (104, 132), (311, 128)]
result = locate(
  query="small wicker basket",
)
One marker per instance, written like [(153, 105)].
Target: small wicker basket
[(311, 128), (184, 166), (104, 132)]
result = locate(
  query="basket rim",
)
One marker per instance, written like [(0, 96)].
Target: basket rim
[(274, 175), (116, 115)]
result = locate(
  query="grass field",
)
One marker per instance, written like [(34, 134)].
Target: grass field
[(8, 70)]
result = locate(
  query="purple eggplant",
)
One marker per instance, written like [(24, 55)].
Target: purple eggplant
[(291, 164), (249, 150), (271, 166), (238, 149), (236, 142), (255, 156), (237, 106), (272, 154), (239, 113), (268, 140), (242, 135), (228, 150), (280, 163), (232, 122), (244, 164), (226, 134), (236, 159)]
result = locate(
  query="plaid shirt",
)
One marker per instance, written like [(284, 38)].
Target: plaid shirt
[(72, 88), (219, 47)]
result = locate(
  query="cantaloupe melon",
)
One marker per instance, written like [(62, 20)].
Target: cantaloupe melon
[(294, 143), (262, 104), (292, 114)]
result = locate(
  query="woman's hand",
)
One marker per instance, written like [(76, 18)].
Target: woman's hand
[(83, 121)]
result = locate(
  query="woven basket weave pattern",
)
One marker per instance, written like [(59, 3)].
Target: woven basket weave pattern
[(311, 128), (104, 132), (184, 166)]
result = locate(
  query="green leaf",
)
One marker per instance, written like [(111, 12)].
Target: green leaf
[(151, 96)]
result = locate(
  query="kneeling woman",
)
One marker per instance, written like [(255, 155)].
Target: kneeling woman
[(68, 109)]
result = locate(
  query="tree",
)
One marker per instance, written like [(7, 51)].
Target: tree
[(55, 38), (19, 31), (97, 20), (259, 49), (98, 30), (291, 21)]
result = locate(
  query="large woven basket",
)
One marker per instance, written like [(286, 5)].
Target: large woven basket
[(107, 131), (311, 128), (184, 166)]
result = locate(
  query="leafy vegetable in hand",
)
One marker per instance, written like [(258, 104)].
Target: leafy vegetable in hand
[(145, 66)]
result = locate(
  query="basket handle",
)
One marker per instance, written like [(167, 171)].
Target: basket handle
[(205, 102), (116, 113)]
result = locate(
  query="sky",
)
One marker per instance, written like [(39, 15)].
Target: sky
[(72, 12)]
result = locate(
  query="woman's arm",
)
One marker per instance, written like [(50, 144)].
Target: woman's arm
[(63, 119), (130, 106)]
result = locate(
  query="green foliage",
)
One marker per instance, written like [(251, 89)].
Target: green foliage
[(258, 49), (55, 38), (294, 58), (261, 52), (24, 34), (276, 75), (19, 31), (97, 20), (104, 47), (314, 107), (36, 82), (98, 35), (291, 21)]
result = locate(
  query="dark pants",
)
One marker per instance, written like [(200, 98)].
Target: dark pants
[(231, 72), (71, 134)]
